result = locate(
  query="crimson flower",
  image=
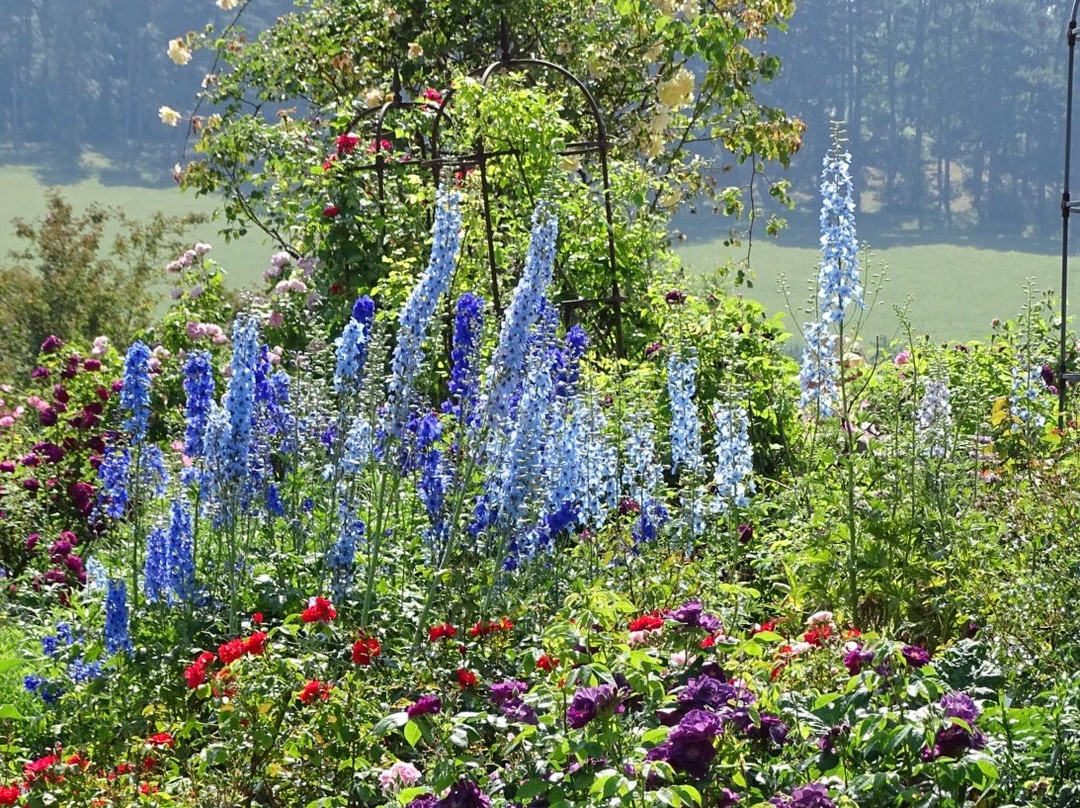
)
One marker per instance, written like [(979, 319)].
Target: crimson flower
[(648, 622), (436, 633), (161, 739), (547, 663), (314, 690), (466, 678), (365, 650), (9, 795), (320, 611), (330, 211)]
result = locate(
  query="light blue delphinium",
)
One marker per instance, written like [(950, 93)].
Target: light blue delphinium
[(117, 639), (933, 420), (1026, 387), (419, 308), (199, 390), (820, 369), (641, 470), (135, 395), (838, 276), (508, 364), (685, 424), (597, 465), (734, 458), (359, 444), (341, 557), (153, 475)]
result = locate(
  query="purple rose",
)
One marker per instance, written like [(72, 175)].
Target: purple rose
[(504, 691), (40, 373), (519, 712), (916, 657), (51, 343), (425, 705), (690, 614), (768, 728), (960, 705), (591, 702), (424, 801), (689, 748), (814, 795), (464, 794), (746, 533), (7, 466), (857, 658), (706, 692), (952, 742)]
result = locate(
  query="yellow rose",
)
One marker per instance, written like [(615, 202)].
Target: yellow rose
[(677, 91), (178, 52), (169, 116)]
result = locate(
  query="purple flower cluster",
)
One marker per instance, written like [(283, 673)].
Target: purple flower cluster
[(593, 702), (425, 705), (690, 614), (955, 739), (815, 795), (462, 794), (689, 748), (507, 697)]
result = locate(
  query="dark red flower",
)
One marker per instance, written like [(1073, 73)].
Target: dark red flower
[(436, 633), (255, 644), (347, 143), (466, 678), (314, 690), (257, 618), (647, 622), (547, 663), (365, 650), (320, 611), (161, 739), (330, 211)]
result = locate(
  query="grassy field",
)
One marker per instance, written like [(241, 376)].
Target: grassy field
[(22, 194), (951, 292)]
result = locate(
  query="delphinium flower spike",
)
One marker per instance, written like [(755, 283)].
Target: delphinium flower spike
[(838, 277), (135, 395)]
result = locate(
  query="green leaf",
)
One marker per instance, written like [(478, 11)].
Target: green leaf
[(10, 711), (412, 733), (392, 721), (10, 665)]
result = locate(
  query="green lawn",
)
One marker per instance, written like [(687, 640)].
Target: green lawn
[(954, 291), (22, 194)]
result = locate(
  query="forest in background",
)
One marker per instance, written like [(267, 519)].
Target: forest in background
[(954, 107)]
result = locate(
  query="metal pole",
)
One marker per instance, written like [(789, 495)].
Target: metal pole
[(1066, 204)]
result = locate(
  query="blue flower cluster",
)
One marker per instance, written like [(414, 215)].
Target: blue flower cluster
[(135, 395), (734, 458), (341, 557), (464, 374), (114, 473), (838, 277), (1026, 387), (820, 369), (508, 364), (170, 565), (350, 352), (239, 400), (685, 424), (117, 638), (419, 308), (199, 392), (933, 419)]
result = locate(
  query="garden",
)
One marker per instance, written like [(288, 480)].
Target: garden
[(479, 501)]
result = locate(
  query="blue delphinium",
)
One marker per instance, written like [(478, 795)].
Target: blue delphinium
[(597, 464), (80, 671), (464, 375), (181, 542), (350, 350), (358, 445), (114, 472), (934, 418), (508, 364), (568, 371), (199, 390), (685, 424), (135, 395), (1027, 384), (734, 457), (153, 476), (419, 308), (156, 568), (341, 557), (117, 639), (820, 369), (641, 470), (239, 399), (838, 277)]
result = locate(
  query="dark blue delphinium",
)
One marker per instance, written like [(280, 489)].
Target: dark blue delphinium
[(239, 400), (117, 639), (114, 472), (156, 569), (199, 389), (135, 395), (464, 373), (181, 541)]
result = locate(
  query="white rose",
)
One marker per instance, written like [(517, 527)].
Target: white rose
[(169, 116), (179, 52), (415, 50), (678, 90), (227, 5), (373, 98)]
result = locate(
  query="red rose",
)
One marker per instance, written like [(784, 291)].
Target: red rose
[(466, 678), (547, 663), (9, 795), (366, 649), (647, 622), (320, 611), (438, 632), (330, 211), (255, 644), (161, 739), (231, 651), (314, 690), (257, 618)]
